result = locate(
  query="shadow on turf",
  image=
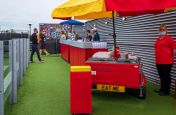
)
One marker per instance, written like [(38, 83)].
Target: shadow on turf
[(130, 95)]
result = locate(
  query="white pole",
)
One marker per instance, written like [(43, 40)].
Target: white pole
[(1, 79)]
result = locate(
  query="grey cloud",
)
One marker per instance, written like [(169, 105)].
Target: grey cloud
[(17, 14)]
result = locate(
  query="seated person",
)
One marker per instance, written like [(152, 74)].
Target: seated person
[(117, 51)]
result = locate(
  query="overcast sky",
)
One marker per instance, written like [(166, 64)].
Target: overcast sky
[(17, 14)]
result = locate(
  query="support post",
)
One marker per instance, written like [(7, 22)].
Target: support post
[(114, 34), (21, 61), (14, 71), (1, 79)]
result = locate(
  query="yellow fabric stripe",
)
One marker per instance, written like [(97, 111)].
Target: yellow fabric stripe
[(95, 15), (78, 8), (73, 3), (169, 9), (80, 68)]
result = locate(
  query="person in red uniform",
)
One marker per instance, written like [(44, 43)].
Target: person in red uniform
[(117, 51), (164, 58)]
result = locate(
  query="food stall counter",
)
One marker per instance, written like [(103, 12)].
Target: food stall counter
[(77, 52)]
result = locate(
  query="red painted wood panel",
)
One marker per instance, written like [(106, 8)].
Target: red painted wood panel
[(78, 56), (127, 75), (65, 52), (81, 92)]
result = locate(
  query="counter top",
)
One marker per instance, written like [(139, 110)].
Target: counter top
[(112, 61), (84, 45)]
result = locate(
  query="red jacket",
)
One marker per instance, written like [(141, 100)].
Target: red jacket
[(164, 50)]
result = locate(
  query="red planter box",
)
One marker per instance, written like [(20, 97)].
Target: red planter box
[(80, 92)]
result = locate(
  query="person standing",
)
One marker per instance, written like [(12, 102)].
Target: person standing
[(66, 34), (96, 37), (42, 42), (34, 39), (164, 57), (75, 36), (88, 36), (63, 36)]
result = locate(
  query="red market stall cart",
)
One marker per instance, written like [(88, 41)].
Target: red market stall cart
[(76, 53), (118, 76)]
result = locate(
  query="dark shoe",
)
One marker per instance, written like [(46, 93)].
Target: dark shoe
[(41, 61), (31, 61), (167, 93), (163, 94)]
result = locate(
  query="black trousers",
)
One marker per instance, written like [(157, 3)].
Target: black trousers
[(164, 71), (35, 49)]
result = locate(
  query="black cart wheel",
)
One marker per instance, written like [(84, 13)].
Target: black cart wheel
[(142, 92)]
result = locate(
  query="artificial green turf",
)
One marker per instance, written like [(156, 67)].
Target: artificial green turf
[(46, 92)]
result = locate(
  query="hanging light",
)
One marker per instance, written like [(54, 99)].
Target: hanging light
[(106, 23), (123, 18)]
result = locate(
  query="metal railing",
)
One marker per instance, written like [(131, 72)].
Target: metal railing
[(18, 63)]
